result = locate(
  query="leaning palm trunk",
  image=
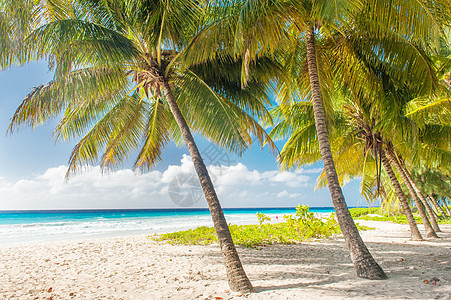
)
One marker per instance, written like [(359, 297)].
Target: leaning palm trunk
[(421, 196), (236, 276), (364, 263), (434, 209), (430, 232), (414, 232), (435, 204), (446, 206), (438, 207), (433, 212)]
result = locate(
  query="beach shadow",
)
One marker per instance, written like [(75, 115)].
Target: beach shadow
[(332, 279), (323, 266)]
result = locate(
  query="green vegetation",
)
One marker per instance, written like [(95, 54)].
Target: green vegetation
[(301, 227), (262, 218), (363, 214)]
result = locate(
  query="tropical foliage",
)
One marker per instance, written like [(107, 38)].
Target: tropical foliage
[(121, 85), (383, 95), (364, 86), (301, 227)]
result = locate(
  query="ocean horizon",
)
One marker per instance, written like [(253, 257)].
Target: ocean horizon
[(42, 225)]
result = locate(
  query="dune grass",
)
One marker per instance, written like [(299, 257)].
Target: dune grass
[(295, 229)]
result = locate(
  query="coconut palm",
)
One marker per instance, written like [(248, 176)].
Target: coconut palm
[(352, 138), (421, 205), (258, 28), (365, 72), (309, 22), (119, 82), (423, 199), (435, 185)]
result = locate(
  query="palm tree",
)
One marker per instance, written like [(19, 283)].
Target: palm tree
[(423, 199), (432, 182), (373, 81), (415, 233), (258, 28), (363, 261), (120, 82), (352, 137), (430, 231), (309, 21), (421, 205)]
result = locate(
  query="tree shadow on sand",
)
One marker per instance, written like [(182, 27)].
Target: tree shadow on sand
[(326, 266)]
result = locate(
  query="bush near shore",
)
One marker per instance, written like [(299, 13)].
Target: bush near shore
[(294, 229)]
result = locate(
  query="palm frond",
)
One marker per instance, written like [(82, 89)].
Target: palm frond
[(126, 116), (216, 117), (156, 134), (39, 106)]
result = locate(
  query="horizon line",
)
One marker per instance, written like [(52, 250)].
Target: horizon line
[(162, 209)]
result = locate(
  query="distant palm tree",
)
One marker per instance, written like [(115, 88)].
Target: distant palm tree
[(119, 81)]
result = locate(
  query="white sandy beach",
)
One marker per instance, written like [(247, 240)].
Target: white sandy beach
[(135, 267)]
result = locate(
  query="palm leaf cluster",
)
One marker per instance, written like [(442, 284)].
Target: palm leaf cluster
[(109, 60)]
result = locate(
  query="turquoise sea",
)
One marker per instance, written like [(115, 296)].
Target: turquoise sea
[(42, 225)]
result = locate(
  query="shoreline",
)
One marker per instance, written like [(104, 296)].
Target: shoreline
[(99, 225), (134, 267)]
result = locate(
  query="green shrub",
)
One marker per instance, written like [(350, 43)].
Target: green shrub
[(262, 218), (360, 211), (444, 221), (301, 227), (362, 214)]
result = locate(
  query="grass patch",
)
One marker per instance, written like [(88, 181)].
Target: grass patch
[(295, 229), (363, 214)]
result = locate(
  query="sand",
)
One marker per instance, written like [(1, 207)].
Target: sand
[(135, 267)]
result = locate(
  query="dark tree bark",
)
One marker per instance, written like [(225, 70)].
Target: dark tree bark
[(238, 280), (414, 232), (422, 198), (430, 232), (364, 263)]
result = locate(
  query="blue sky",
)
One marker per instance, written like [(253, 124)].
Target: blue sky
[(32, 169)]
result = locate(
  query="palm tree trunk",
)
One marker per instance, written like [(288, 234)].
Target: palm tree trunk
[(438, 207), (364, 263), (446, 207), (421, 196), (414, 232), (434, 209), (430, 232), (238, 281), (435, 205)]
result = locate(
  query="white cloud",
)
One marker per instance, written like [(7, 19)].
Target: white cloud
[(290, 178), (236, 185), (283, 194)]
